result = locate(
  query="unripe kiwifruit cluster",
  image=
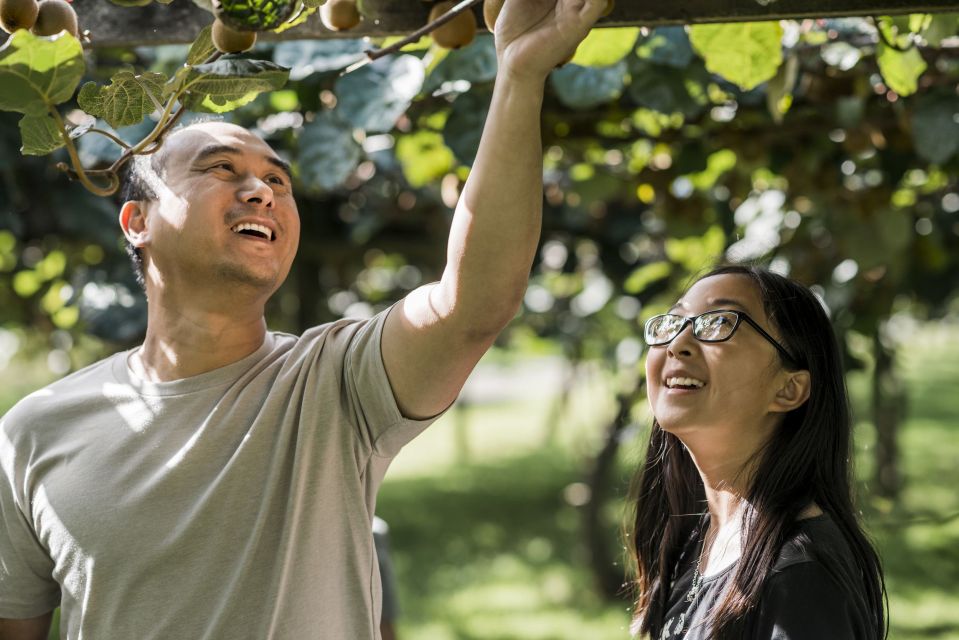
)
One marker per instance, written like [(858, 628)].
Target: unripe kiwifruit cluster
[(43, 18)]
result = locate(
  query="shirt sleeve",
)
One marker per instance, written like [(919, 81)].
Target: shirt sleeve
[(804, 602), (370, 394), (27, 587)]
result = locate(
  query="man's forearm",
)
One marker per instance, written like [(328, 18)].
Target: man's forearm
[(497, 222)]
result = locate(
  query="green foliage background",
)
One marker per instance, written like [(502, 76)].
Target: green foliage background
[(826, 148)]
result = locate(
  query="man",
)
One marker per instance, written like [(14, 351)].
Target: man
[(219, 481)]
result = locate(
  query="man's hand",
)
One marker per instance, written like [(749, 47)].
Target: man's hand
[(534, 36)]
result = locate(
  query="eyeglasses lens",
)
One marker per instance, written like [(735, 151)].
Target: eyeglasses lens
[(662, 329), (715, 326)]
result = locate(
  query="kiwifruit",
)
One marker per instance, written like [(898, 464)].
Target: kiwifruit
[(491, 9), (339, 15), (17, 14), (54, 16), (456, 33), (230, 40)]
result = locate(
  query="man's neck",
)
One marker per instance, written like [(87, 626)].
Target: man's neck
[(182, 342)]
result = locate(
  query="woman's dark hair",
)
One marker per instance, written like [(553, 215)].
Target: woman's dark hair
[(807, 459)]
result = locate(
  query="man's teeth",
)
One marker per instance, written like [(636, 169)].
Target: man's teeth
[(684, 382), (258, 228)]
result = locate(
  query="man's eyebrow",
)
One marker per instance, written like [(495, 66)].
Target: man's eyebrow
[(217, 149)]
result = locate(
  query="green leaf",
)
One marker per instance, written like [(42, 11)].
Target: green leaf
[(202, 47), (587, 87), (126, 100), (942, 26), (746, 54), (306, 57), (37, 73), (464, 127), (474, 64), (40, 135), (327, 152), (668, 46), (900, 69), (424, 157), (646, 275), (374, 97), (131, 3), (228, 83), (603, 47), (935, 128)]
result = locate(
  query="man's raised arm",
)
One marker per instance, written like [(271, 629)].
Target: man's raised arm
[(437, 334)]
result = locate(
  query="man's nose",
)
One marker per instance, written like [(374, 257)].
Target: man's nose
[(257, 192)]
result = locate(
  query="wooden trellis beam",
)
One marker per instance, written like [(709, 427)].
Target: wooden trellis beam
[(179, 22)]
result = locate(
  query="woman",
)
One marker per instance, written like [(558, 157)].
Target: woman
[(745, 526)]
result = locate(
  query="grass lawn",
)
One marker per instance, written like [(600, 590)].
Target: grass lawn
[(487, 545)]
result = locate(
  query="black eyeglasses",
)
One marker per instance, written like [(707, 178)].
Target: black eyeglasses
[(712, 326)]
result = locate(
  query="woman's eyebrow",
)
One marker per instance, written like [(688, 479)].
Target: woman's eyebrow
[(713, 302)]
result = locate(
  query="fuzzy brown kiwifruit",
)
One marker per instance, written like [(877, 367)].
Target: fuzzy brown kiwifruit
[(340, 15), (54, 16), (18, 14), (456, 33), (230, 40)]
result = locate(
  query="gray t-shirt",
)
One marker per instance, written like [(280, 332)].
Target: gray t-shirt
[(233, 504)]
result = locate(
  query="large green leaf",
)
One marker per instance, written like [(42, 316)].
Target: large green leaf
[(668, 90), (37, 73), (900, 69), (667, 45), (374, 97), (464, 127), (474, 64), (327, 152), (587, 87), (228, 83), (202, 47), (306, 57), (746, 54), (40, 135), (935, 129), (424, 157), (603, 47), (126, 100)]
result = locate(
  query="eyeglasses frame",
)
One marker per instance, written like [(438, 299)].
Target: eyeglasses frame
[(740, 316)]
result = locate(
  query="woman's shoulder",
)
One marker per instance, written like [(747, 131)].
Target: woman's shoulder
[(816, 540)]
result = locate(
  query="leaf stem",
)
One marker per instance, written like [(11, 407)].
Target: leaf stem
[(78, 166), (119, 141)]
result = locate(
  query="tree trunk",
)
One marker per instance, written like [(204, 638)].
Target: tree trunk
[(889, 409)]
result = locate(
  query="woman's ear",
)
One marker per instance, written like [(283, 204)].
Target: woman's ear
[(133, 221), (793, 392)]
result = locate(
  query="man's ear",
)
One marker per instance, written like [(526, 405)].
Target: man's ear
[(793, 392), (133, 221)]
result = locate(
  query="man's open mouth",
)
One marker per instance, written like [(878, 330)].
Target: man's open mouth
[(255, 230)]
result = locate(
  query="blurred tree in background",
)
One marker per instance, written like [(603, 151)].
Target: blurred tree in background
[(828, 152)]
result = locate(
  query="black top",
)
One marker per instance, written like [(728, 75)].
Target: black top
[(814, 592)]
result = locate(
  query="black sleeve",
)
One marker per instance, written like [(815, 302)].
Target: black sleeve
[(804, 602)]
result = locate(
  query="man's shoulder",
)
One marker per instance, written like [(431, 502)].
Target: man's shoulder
[(58, 396)]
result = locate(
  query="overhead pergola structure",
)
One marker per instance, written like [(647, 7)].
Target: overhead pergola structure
[(110, 25)]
